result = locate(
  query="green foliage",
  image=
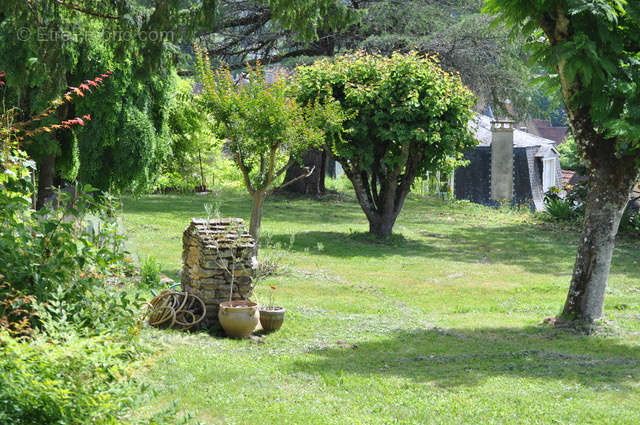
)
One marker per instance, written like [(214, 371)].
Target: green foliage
[(490, 63), (133, 133), (567, 205), (466, 41), (630, 222), (405, 117), (309, 17), (398, 105), (570, 157), (57, 291), (594, 55), (571, 208), (44, 48), (78, 381), (150, 271), (560, 209), (64, 254), (193, 147), (187, 125), (264, 125)]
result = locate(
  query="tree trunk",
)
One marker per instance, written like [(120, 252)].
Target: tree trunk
[(46, 179), (382, 225), (256, 217), (314, 184), (609, 189)]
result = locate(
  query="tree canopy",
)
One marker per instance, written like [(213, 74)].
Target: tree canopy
[(406, 116)]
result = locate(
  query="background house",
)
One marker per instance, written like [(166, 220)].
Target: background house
[(546, 130), (508, 165)]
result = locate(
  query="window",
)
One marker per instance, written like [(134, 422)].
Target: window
[(548, 173)]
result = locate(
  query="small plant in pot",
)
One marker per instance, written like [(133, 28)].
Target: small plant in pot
[(271, 316), (238, 318)]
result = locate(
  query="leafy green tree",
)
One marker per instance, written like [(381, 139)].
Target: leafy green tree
[(47, 46), (591, 49), (569, 156), (190, 135), (264, 125), (407, 116)]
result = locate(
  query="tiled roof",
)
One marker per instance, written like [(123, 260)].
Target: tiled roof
[(546, 130), (571, 177)]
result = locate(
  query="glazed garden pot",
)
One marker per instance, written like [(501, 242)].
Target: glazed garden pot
[(238, 318), (271, 318)]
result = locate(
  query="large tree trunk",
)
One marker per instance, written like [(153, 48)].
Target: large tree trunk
[(609, 188), (312, 185), (381, 207), (256, 217), (382, 225), (46, 179)]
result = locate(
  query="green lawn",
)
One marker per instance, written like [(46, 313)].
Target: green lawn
[(442, 325)]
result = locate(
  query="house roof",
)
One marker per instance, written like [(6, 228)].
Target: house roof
[(546, 130), (481, 127), (547, 151), (572, 178)]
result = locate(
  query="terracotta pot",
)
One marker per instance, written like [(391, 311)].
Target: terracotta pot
[(271, 319), (238, 318)]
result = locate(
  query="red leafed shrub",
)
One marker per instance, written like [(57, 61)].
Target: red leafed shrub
[(31, 127), (16, 311)]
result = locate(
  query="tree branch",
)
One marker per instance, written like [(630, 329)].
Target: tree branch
[(282, 186), (245, 173), (77, 8), (285, 168)]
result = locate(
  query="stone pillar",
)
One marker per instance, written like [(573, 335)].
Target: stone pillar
[(502, 160), (212, 249)]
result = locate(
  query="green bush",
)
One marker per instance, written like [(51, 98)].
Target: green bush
[(560, 209), (630, 222), (78, 381), (150, 271), (572, 208), (68, 252)]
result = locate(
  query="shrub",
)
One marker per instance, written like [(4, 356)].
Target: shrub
[(630, 222), (572, 208), (564, 208), (560, 209), (150, 271), (79, 381)]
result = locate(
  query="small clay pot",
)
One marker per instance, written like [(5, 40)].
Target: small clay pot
[(238, 318), (271, 318)]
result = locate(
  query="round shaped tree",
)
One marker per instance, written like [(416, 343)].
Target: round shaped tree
[(407, 116)]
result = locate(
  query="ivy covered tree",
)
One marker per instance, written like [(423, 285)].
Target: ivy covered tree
[(592, 49), (266, 129), (406, 116)]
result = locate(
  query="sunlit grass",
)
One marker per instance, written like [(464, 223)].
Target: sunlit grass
[(439, 325)]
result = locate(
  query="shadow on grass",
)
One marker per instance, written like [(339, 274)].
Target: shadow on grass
[(451, 358), (348, 244), (235, 203), (534, 249)]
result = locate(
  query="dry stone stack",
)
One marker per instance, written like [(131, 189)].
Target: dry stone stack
[(212, 250)]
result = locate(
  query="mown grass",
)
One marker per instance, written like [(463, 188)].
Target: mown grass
[(439, 325)]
